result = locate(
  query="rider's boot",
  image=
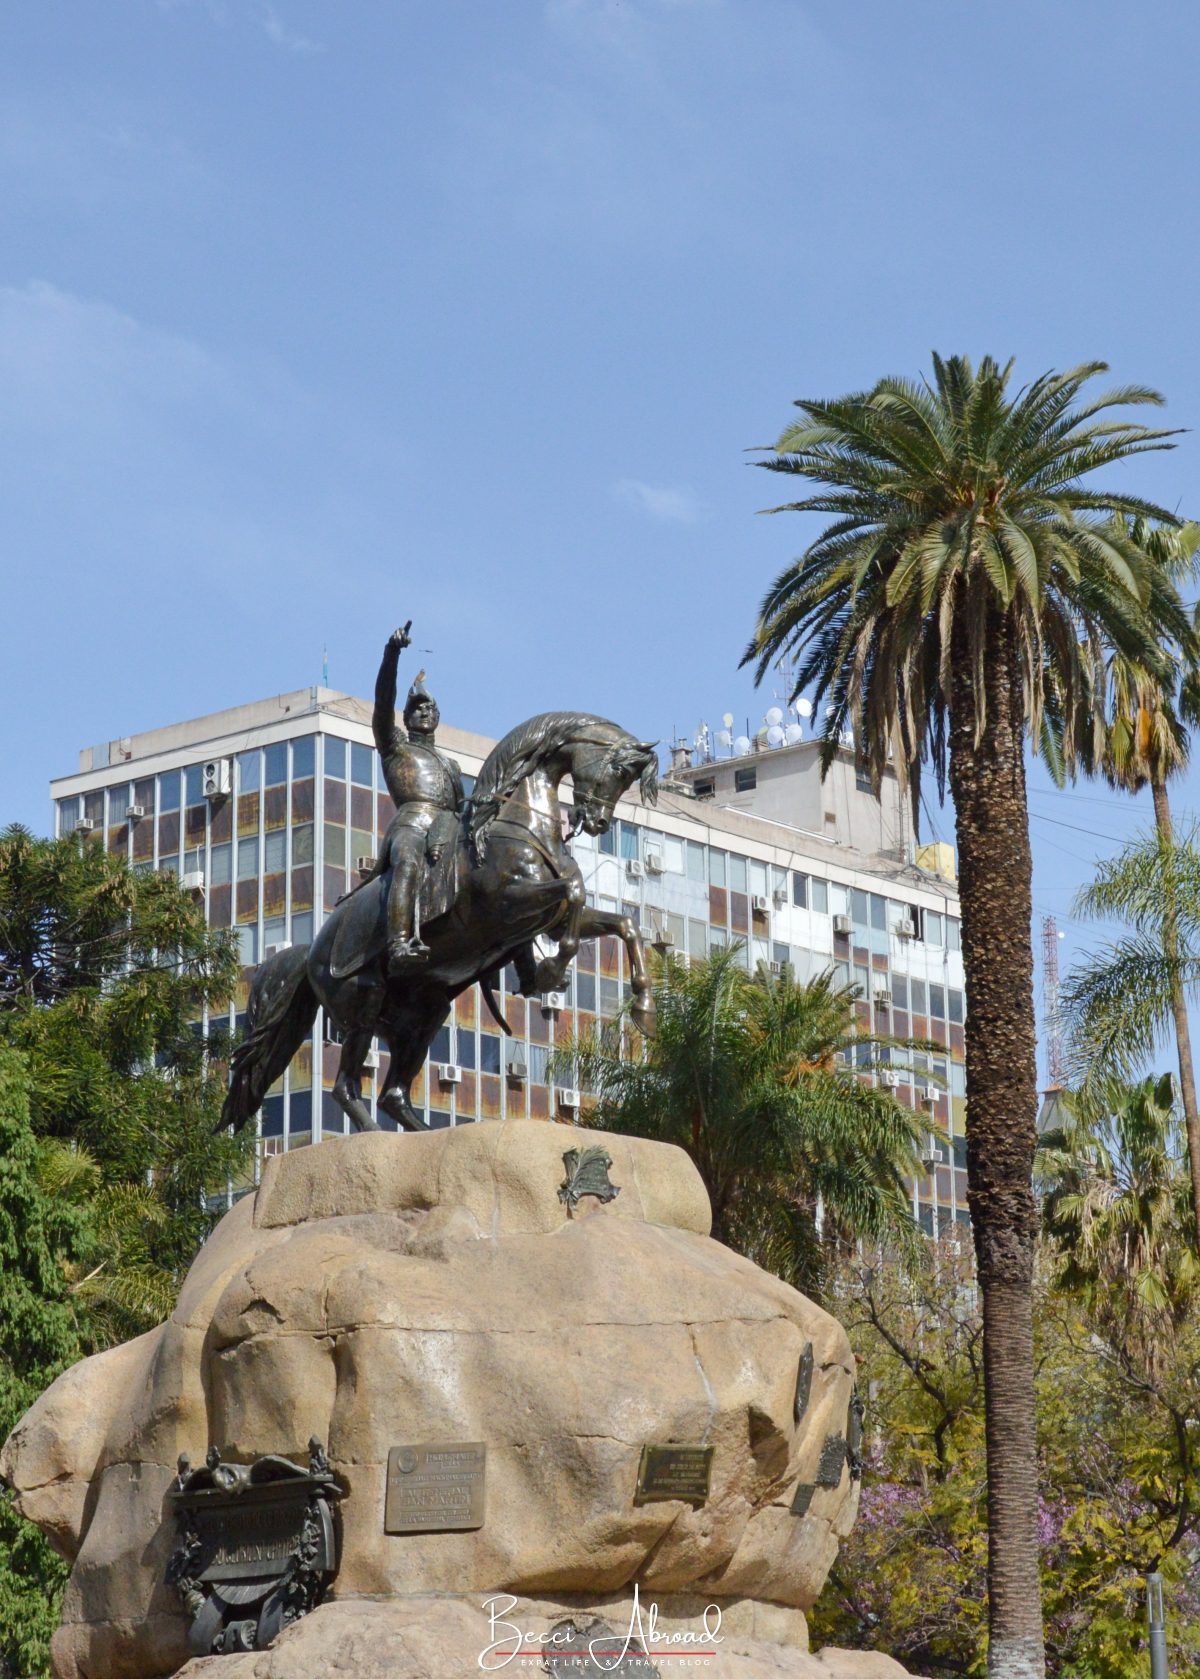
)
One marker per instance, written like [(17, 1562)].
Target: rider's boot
[(404, 954), (405, 948)]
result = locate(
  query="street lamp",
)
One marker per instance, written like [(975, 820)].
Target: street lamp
[(1158, 1626)]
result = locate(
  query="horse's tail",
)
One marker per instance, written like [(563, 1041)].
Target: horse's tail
[(281, 1009)]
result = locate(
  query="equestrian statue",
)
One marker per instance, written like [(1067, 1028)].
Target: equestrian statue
[(461, 888)]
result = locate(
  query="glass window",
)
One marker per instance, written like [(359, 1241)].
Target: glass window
[(956, 1006), (168, 791), (274, 932), (247, 859), (737, 874), (758, 879), (219, 864), (275, 764), (304, 757), (799, 889), (275, 851), (958, 1079), (302, 843), (537, 1063), (697, 938), (860, 907), (862, 979), (717, 939), (610, 996), (933, 928), (879, 908), (249, 770), (629, 840), (360, 764), (900, 991), (118, 804), (272, 1116), (193, 860), (439, 1049), (489, 1053), (745, 780), (696, 862), (466, 1048), (335, 845), (672, 854), (781, 953), (937, 1001), (718, 867), (302, 928), (248, 945), (585, 988), (819, 894), (335, 758), (839, 899), (68, 815), (194, 784), (608, 841), (953, 934), (918, 996)]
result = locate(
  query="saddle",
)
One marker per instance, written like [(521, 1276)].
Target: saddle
[(361, 935)]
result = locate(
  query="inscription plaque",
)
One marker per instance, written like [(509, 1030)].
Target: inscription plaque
[(435, 1488), (681, 1472), (804, 1376)]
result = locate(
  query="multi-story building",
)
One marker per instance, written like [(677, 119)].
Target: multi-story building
[(267, 809)]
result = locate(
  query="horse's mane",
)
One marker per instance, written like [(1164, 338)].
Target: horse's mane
[(511, 759)]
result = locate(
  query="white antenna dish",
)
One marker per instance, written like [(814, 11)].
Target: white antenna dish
[(774, 735), (741, 745), (793, 734), (727, 719), (773, 718), (724, 737), (804, 707)]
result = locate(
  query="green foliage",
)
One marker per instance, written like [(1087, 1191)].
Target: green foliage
[(38, 1235), (1117, 1002), (958, 504), (742, 1074), (104, 972)]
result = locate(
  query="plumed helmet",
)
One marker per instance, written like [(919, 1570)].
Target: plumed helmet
[(416, 694)]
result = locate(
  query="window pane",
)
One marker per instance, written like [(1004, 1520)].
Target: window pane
[(248, 771), (878, 913), (247, 859), (737, 874), (819, 893), (953, 940), (859, 907), (302, 928), (275, 856), (758, 879), (608, 841), (275, 765), (937, 1001), (489, 1054), (745, 780), (918, 996), (168, 791), (799, 889), (718, 869), (335, 757), (248, 945), (585, 988), (696, 862), (303, 757), (933, 927), (629, 840), (900, 991), (672, 854), (302, 843), (360, 765), (194, 785), (219, 865), (274, 932), (956, 1007)]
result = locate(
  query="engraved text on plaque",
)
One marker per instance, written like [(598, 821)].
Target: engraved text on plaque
[(433, 1488)]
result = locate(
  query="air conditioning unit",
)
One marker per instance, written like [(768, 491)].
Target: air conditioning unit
[(634, 868), (841, 924), (282, 944), (192, 880), (218, 778), (883, 998), (933, 1154), (889, 1078), (518, 1071), (779, 896), (569, 1099), (654, 862), (905, 929), (553, 1002), (928, 1101), (448, 1073), (134, 813), (365, 865), (760, 903), (85, 825), (663, 940), (371, 1060)]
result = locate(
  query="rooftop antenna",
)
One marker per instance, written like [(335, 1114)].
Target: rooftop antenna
[(1056, 1070)]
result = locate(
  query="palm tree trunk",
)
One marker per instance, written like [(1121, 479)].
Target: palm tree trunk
[(1183, 1034), (987, 779)]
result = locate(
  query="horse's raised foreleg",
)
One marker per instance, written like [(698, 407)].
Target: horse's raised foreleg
[(347, 1089), (551, 971), (600, 923)]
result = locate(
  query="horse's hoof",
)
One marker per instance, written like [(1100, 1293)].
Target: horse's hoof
[(644, 1017)]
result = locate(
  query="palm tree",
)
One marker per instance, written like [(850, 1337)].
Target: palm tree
[(1117, 1211), (949, 611), (744, 1074), (1145, 744)]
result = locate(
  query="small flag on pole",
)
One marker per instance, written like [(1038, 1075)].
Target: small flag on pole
[(325, 667)]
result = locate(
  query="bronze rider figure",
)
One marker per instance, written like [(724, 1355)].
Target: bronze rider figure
[(425, 785)]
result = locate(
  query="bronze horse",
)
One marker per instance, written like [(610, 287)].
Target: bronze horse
[(515, 881)]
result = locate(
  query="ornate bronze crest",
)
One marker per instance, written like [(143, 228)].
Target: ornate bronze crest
[(587, 1174), (256, 1546)]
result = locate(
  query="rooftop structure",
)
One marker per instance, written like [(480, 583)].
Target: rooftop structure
[(266, 811)]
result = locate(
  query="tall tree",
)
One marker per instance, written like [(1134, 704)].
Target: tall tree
[(1145, 744), (948, 612), (743, 1073)]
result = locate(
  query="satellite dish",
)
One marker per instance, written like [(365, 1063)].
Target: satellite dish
[(724, 737), (793, 734), (727, 719), (804, 707), (774, 735), (741, 745), (774, 717)]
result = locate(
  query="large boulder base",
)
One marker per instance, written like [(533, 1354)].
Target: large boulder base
[(384, 1289)]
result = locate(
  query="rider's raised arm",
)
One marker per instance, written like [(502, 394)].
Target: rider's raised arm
[(383, 720)]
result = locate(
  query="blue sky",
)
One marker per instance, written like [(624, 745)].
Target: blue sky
[(316, 315)]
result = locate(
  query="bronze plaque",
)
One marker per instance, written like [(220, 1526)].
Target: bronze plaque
[(435, 1488), (681, 1472)]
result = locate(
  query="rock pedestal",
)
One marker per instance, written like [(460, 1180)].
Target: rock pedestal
[(384, 1290)]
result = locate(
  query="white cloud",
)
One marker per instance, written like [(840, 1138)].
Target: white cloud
[(672, 503), (288, 39)]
